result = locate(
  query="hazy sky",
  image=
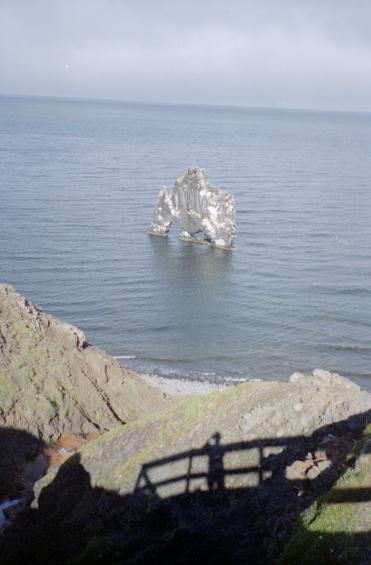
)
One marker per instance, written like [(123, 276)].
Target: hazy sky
[(287, 53)]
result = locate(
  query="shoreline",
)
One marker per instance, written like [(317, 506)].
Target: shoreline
[(186, 387), (202, 383), (180, 387)]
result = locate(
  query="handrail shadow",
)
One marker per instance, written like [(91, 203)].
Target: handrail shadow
[(216, 473), (217, 503)]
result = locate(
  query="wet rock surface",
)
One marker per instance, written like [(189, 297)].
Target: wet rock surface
[(23, 465)]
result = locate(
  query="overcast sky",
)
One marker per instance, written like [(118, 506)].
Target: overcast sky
[(280, 53)]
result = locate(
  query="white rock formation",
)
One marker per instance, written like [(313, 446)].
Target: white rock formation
[(198, 207)]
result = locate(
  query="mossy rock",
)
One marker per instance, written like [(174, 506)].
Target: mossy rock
[(9, 392)]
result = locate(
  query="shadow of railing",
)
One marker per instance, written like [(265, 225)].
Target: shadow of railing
[(157, 474), (217, 503), (212, 457)]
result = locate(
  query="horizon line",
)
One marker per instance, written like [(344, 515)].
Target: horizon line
[(177, 103)]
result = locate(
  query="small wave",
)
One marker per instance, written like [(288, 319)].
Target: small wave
[(354, 290), (342, 240), (239, 379), (125, 357), (343, 348), (176, 370)]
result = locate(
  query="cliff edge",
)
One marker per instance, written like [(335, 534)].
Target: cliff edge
[(218, 478), (52, 381), (215, 478)]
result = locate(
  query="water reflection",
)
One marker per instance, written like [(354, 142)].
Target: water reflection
[(196, 276), (180, 260), (194, 294)]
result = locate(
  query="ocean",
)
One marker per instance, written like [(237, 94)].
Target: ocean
[(78, 183)]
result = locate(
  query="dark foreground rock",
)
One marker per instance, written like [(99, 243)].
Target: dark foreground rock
[(216, 478), (337, 527), (209, 480)]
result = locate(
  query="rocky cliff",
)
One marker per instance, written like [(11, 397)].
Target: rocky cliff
[(222, 477), (216, 478), (52, 381)]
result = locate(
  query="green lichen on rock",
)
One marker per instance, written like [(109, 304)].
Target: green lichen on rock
[(156, 433), (41, 355), (127, 470), (32, 404), (28, 372), (52, 382), (9, 392)]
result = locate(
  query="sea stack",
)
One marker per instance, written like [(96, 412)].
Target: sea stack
[(199, 208)]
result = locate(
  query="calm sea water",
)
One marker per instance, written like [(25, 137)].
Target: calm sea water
[(78, 182)]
